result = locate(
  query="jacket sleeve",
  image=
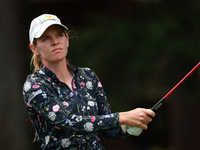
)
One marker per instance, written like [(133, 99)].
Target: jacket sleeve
[(104, 109), (52, 110)]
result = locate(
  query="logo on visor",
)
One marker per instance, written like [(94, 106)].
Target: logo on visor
[(46, 18)]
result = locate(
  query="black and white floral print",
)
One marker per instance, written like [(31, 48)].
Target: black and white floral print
[(66, 119)]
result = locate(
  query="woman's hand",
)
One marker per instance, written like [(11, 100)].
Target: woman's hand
[(138, 117)]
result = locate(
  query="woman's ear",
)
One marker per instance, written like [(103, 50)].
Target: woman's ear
[(33, 49)]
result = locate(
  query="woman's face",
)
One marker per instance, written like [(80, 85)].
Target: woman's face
[(52, 46)]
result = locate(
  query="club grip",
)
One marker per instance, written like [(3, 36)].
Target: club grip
[(158, 104)]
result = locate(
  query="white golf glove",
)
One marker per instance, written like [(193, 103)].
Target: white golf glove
[(136, 131)]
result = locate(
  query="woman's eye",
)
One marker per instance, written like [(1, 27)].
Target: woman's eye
[(60, 35), (45, 38)]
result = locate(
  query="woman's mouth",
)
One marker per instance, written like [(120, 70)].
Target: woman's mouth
[(57, 50)]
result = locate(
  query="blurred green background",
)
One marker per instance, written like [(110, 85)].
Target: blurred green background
[(139, 49)]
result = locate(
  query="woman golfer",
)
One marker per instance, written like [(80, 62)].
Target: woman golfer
[(66, 104)]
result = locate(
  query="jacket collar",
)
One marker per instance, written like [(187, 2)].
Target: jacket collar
[(52, 75)]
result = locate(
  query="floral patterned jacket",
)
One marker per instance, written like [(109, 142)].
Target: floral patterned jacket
[(66, 119)]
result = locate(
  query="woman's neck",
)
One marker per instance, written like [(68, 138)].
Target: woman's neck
[(63, 73)]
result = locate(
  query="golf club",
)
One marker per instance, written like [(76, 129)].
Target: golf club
[(162, 100), (137, 130)]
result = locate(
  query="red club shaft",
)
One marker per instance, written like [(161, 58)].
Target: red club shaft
[(160, 102), (173, 89)]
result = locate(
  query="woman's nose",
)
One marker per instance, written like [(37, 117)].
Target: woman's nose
[(54, 41)]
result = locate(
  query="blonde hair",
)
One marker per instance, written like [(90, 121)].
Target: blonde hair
[(36, 61)]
